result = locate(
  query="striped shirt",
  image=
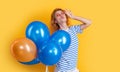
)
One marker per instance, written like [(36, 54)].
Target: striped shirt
[(68, 60)]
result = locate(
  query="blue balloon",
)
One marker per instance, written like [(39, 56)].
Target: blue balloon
[(50, 53), (37, 32), (62, 38), (33, 62)]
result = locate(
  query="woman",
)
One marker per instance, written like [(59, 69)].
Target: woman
[(59, 20)]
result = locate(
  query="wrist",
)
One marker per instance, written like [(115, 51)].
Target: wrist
[(74, 17)]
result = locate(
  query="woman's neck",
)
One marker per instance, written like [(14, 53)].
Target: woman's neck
[(63, 26)]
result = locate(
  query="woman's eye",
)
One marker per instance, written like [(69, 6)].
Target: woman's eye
[(58, 15)]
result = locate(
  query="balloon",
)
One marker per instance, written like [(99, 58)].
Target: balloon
[(62, 38), (50, 53), (35, 61), (37, 32), (24, 50)]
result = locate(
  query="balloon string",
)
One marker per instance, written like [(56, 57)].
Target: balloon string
[(46, 69)]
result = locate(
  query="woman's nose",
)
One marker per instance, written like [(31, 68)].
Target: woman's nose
[(62, 15)]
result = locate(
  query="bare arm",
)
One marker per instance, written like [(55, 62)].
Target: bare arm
[(85, 21)]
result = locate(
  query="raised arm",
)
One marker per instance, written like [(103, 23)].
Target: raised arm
[(86, 22)]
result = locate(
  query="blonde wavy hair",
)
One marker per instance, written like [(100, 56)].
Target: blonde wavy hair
[(53, 23)]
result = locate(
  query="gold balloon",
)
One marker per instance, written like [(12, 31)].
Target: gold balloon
[(24, 50)]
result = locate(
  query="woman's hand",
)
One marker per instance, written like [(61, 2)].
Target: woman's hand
[(86, 22), (69, 14)]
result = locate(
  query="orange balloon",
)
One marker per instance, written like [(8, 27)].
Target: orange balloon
[(24, 50)]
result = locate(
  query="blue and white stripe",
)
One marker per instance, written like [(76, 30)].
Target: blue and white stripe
[(68, 60)]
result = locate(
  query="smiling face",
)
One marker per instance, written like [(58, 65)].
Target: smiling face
[(60, 17)]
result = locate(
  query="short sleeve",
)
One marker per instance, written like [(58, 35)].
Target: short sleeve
[(76, 28)]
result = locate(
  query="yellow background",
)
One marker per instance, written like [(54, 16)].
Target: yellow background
[(99, 48)]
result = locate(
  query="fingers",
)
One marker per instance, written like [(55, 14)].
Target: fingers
[(68, 13), (66, 10)]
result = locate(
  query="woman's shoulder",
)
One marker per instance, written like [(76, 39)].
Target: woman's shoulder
[(74, 26)]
